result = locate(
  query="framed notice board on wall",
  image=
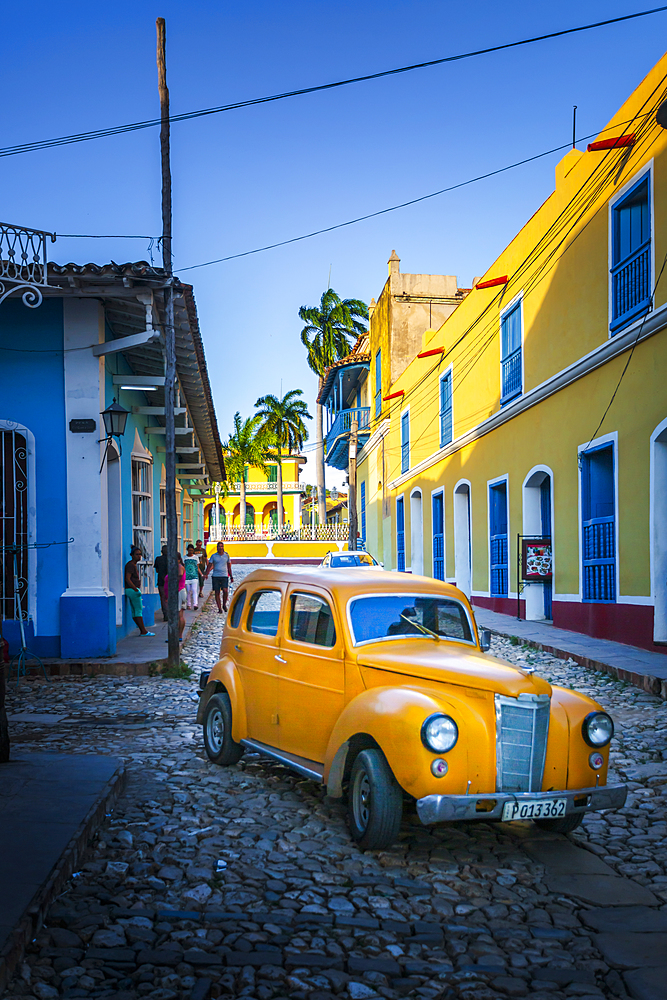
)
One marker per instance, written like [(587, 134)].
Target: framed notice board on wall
[(536, 559)]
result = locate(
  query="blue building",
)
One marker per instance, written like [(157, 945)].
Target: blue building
[(95, 337)]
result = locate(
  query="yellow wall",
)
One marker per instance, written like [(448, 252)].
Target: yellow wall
[(558, 266)]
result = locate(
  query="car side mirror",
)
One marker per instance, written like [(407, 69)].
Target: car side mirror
[(485, 640)]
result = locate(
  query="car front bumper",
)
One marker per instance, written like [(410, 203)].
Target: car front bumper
[(454, 808)]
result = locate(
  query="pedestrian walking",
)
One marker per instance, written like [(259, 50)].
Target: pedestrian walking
[(133, 591), (192, 579), (181, 596), (200, 552), (221, 565), (161, 568)]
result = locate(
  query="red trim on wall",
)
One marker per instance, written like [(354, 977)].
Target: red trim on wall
[(492, 282), (503, 605), (393, 395), (631, 624), (615, 143), (429, 354)]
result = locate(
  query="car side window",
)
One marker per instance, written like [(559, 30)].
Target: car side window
[(311, 620), (237, 609), (264, 612)]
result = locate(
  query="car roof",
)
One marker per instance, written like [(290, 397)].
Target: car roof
[(348, 582)]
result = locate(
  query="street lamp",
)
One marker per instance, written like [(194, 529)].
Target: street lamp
[(115, 418)]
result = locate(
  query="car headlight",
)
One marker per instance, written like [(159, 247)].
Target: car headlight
[(597, 729), (439, 733)]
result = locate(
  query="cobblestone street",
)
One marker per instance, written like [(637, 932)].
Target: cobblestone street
[(244, 881)]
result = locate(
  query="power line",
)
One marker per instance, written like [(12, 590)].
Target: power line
[(395, 208), (187, 116)]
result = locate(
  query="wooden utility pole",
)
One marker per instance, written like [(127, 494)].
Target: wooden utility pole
[(352, 485), (169, 352)]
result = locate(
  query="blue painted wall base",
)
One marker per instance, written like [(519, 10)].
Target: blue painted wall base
[(87, 626), (40, 645)]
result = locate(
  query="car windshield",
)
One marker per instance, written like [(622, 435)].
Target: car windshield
[(384, 616), (352, 559)]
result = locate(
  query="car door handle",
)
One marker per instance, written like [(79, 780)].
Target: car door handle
[(280, 659), (237, 648)]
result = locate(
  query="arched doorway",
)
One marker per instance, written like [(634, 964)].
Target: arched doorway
[(537, 521), (462, 537), (416, 533)]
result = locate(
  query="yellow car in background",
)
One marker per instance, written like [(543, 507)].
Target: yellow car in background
[(380, 684)]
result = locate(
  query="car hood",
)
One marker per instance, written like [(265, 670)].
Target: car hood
[(448, 663)]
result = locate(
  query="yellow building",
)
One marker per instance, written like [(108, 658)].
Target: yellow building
[(535, 416), (258, 538)]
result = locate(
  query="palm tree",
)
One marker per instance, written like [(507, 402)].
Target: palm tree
[(282, 423), (247, 445), (331, 329)]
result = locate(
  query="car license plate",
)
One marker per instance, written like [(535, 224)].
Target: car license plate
[(535, 809)]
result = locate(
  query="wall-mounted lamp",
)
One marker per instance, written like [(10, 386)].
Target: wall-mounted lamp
[(115, 419)]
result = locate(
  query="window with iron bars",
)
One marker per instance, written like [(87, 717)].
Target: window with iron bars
[(631, 256), (405, 441), (142, 519), (187, 523), (13, 526), (511, 378)]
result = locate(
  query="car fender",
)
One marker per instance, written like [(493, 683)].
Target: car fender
[(576, 707), (225, 677), (391, 718)]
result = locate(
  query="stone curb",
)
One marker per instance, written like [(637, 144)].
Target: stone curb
[(646, 682), (30, 923)]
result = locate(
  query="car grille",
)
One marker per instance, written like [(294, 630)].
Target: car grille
[(522, 726)]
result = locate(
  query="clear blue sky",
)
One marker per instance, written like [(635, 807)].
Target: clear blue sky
[(255, 176)]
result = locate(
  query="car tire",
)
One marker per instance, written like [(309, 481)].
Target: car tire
[(565, 825), (218, 742), (375, 802)]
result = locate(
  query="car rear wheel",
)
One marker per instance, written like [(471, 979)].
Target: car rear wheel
[(220, 746), (565, 825), (375, 801)]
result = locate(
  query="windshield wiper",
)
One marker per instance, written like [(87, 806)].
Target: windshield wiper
[(427, 631)]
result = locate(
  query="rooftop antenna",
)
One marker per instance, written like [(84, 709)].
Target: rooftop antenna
[(574, 125)]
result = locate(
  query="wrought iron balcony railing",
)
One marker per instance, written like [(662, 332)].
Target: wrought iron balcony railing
[(631, 287), (266, 533), (23, 263), (343, 422)]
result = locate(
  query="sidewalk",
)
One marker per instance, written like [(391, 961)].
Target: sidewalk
[(51, 804), (134, 655), (639, 667)]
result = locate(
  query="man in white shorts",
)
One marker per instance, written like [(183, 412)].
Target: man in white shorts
[(221, 565)]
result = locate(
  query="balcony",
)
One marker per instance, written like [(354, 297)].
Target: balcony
[(269, 533), (270, 488), (631, 287), (23, 263), (337, 437)]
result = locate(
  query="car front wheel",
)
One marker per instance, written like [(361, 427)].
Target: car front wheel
[(220, 746), (375, 801)]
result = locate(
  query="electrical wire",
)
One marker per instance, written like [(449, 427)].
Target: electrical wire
[(589, 191), (186, 116)]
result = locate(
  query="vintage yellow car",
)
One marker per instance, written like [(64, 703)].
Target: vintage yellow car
[(379, 684)]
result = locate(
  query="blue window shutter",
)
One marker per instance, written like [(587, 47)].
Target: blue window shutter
[(363, 511), (498, 539), (446, 430), (405, 442), (378, 383), (511, 379), (631, 256), (598, 526), (438, 538), (400, 536)]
